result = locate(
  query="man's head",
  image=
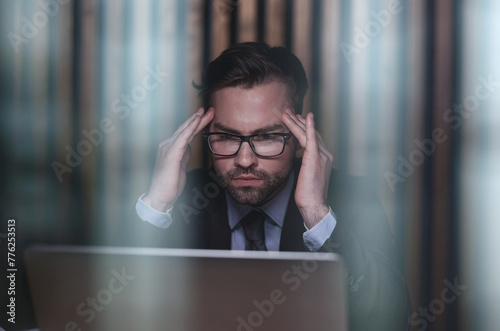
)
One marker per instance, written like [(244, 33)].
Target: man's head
[(250, 86), (254, 63)]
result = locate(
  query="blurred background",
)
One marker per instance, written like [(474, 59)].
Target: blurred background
[(404, 92)]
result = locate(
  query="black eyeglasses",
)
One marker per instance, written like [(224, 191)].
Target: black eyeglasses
[(262, 144)]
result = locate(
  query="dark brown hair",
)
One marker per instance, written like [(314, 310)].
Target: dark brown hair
[(253, 63)]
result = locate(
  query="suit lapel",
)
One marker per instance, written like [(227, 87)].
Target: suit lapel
[(293, 226), (216, 230)]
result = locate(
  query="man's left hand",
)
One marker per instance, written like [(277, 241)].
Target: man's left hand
[(314, 175)]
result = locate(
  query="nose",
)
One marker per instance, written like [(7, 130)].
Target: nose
[(245, 158)]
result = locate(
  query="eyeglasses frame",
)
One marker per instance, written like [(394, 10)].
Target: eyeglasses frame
[(286, 137)]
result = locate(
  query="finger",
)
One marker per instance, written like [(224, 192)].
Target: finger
[(297, 131), (311, 144), (320, 143), (205, 120), (185, 125), (202, 123), (301, 119), (296, 119), (185, 137), (198, 123)]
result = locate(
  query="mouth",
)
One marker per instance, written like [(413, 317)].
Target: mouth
[(246, 180)]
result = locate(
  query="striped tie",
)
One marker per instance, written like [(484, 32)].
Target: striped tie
[(253, 226)]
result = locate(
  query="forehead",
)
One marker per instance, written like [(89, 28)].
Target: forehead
[(248, 109)]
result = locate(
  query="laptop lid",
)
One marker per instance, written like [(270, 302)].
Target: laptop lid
[(114, 288)]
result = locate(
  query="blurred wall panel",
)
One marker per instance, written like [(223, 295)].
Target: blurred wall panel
[(359, 105), (220, 12), (301, 43), (439, 143), (478, 121), (328, 84), (247, 14), (275, 22), (413, 124), (111, 80), (194, 68), (87, 112)]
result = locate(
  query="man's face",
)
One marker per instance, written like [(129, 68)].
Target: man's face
[(251, 179)]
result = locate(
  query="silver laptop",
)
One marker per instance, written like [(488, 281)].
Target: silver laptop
[(114, 288)]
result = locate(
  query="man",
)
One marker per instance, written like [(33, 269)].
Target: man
[(257, 196)]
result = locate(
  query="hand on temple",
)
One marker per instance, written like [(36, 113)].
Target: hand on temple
[(169, 176)]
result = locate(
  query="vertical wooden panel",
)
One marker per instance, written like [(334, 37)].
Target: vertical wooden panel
[(39, 80), (195, 52), (88, 117), (221, 19), (168, 22), (36, 112), (302, 46), (195, 69), (358, 93), (342, 93), (414, 127), (330, 39), (443, 99), (140, 116), (64, 93), (22, 123), (386, 99), (247, 24), (114, 110), (275, 22), (17, 69)]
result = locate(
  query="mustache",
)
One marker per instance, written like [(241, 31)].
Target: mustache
[(240, 171)]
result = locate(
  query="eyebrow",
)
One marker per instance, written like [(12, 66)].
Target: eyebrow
[(265, 129)]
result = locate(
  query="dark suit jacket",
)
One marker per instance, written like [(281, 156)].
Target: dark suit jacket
[(378, 295)]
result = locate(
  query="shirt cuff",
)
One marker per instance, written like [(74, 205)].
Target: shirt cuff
[(316, 237), (153, 216)]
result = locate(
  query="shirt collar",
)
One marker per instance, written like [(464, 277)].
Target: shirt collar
[(275, 208)]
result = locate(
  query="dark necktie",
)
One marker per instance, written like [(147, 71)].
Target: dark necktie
[(253, 226)]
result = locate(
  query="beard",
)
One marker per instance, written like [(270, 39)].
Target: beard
[(251, 195)]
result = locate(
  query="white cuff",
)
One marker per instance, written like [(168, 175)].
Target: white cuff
[(316, 237), (153, 216)]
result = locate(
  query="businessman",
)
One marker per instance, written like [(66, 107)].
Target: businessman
[(258, 196)]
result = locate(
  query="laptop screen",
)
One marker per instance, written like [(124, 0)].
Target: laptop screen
[(113, 288)]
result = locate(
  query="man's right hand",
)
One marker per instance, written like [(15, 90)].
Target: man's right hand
[(169, 176)]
